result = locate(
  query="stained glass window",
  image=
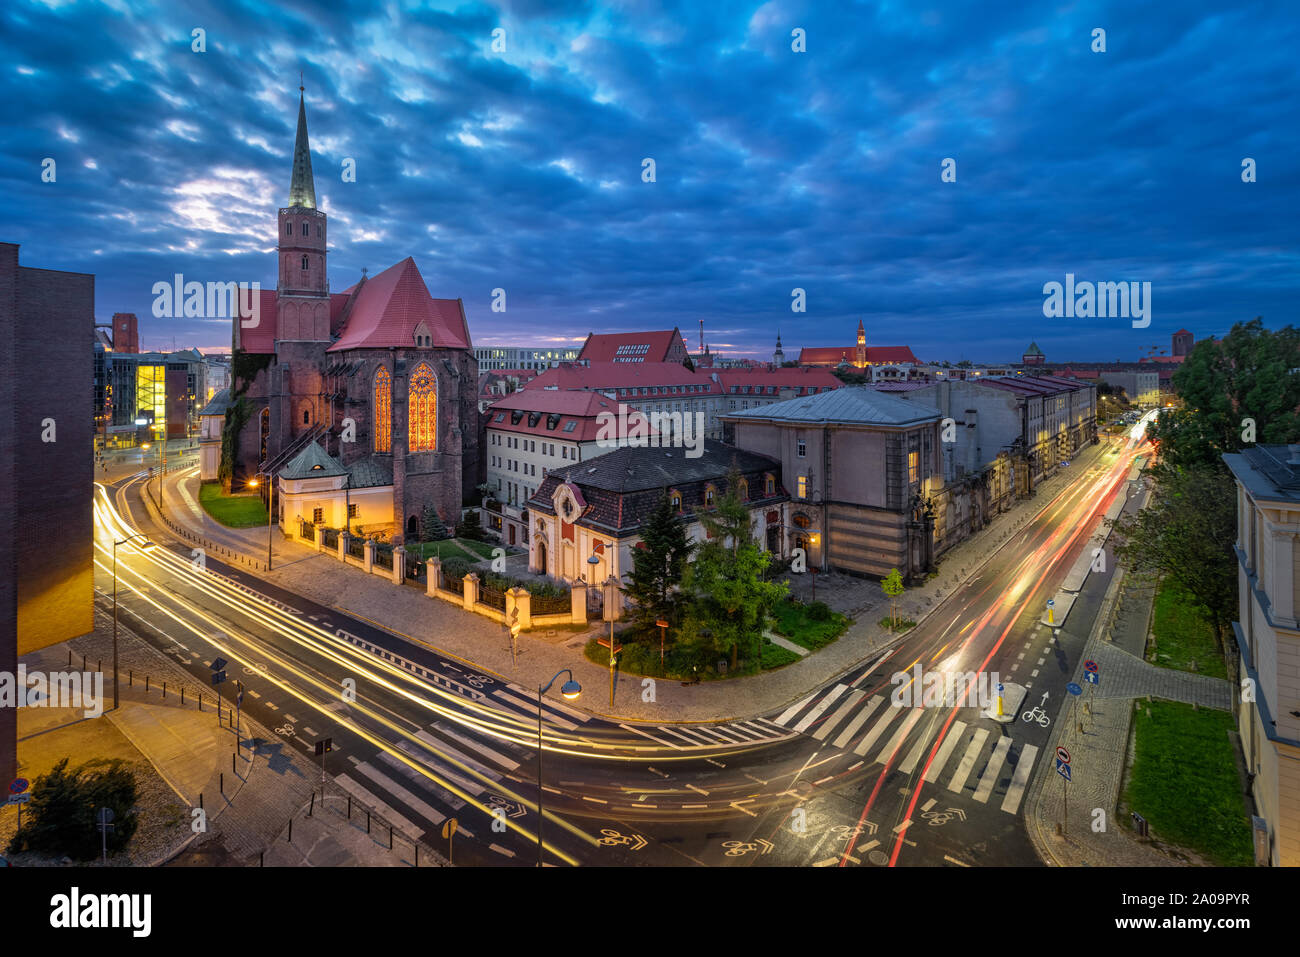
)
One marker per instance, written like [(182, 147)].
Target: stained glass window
[(383, 409), (423, 409)]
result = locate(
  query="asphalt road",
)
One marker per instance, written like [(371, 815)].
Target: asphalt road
[(843, 779)]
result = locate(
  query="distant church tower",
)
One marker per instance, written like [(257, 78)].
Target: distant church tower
[(860, 353), (778, 357)]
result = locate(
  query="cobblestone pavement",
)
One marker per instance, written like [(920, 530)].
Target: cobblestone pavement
[(1098, 744)]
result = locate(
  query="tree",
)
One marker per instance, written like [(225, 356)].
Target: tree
[(892, 585), (1246, 375), (432, 525), (729, 600), (657, 565), (729, 522), (62, 812), (471, 526), (1187, 533)]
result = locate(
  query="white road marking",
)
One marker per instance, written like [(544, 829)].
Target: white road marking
[(994, 769), (840, 714), (894, 743), (968, 761), (647, 734), (945, 751), (794, 709), (858, 721), (820, 708), (365, 797), (1011, 803), (877, 729)]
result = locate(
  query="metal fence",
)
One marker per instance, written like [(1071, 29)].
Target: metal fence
[(492, 597), (452, 583), (551, 604), (384, 556), (330, 538), (357, 547), (416, 568), (307, 530)]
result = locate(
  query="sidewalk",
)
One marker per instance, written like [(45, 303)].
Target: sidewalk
[(248, 798), (1100, 751), (439, 625)]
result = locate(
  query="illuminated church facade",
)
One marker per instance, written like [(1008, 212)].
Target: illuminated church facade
[(381, 378)]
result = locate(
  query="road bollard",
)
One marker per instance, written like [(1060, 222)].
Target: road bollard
[(146, 683), (221, 783), (312, 808), (290, 830), (390, 837), (367, 822), (130, 678), (164, 689)]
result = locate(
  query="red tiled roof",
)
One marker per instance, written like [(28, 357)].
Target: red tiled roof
[(392, 304), (622, 375), (876, 355), (603, 347), (1169, 360), (1182, 332), (565, 406), (261, 338)]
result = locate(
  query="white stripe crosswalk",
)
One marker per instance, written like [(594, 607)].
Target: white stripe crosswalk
[(905, 738)]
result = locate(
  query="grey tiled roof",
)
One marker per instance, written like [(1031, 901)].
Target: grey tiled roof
[(370, 473), (312, 462), (220, 402), (852, 405), (635, 469)]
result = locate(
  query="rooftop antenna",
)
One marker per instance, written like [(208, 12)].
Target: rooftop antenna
[(301, 88)]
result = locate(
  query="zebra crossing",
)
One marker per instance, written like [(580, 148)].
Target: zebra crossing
[(707, 737), (871, 727)]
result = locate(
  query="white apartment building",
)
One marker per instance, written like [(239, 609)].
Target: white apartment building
[(522, 357), (1268, 639)]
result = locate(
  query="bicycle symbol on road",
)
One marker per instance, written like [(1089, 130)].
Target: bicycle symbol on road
[(845, 832), (741, 848), (286, 730), (940, 818), (1037, 714), (478, 681), (614, 838)]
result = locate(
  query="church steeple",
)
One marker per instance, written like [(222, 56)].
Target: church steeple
[(778, 357), (862, 332), (302, 189)]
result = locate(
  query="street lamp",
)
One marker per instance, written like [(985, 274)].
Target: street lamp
[(270, 510), (590, 578), (569, 691), (145, 544)]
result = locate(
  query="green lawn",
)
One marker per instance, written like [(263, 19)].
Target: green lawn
[(1183, 635), (233, 511), (798, 623), (1184, 781), (452, 548)]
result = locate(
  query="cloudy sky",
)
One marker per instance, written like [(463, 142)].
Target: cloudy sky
[(774, 169)]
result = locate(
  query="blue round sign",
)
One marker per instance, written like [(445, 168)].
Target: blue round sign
[(18, 786), (1073, 688)]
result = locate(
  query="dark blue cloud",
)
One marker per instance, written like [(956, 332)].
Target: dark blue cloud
[(775, 169)]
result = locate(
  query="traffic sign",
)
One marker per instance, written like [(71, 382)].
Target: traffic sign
[(1090, 665), (19, 798), (324, 745), (1051, 603), (17, 785), (1063, 769), (218, 677), (104, 815), (661, 623), (1073, 688), (1062, 754), (1092, 677), (219, 664), (449, 828)]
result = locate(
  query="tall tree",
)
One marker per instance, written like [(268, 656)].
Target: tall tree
[(657, 565), (1247, 375), (433, 527), (730, 522), (729, 600), (892, 585)]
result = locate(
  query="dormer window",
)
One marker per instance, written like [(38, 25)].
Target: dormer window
[(769, 484), (675, 499), (710, 493), (744, 490)]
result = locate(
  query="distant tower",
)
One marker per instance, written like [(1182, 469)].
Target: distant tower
[(126, 335), (701, 335), (1182, 344), (1033, 356), (860, 352), (302, 301), (778, 357)]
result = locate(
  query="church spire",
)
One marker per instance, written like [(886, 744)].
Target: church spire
[(302, 189), (862, 334)]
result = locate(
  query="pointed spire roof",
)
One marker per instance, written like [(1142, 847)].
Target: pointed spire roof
[(389, 307), (1033, 350), (302, 189)]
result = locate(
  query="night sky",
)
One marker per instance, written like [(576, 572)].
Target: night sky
[(775, 169)]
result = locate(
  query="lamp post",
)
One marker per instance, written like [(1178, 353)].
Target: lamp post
[(610, 596), (145, 544), (593, 561), (270, 510), (569, 691)]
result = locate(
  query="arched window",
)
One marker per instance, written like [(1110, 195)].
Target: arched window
[(675, 498), (422, 410), (320, 232), (802, 521), (306, 417), (709, 495), (769, 482), (383, 411), (744, 490), (305, 228), (288, 228), (304, 263)]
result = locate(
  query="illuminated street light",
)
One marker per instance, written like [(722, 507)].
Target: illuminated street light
[(570, 691)]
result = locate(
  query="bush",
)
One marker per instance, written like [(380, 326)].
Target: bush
[(819, 611), (455, 568), (62, 812), (471, 527)]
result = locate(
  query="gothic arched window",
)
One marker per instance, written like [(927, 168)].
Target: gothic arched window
[(422, 410), (288, 229), (304, 263), (383, 411), (305, 227)]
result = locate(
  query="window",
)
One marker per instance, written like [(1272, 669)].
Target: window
[(422, 410), (305, 227), (352, 510), (317, 516), (570, 425), (913, 466), (744, 490), (288, 231), (383, 409), (708, 496), (802, 521), (803, 486), (304, 263), (320, 232), (306, 417), (769, 484), (675, 498), (802, 449)]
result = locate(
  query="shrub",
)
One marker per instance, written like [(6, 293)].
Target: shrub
[(62, 811), (819, 611), (455, 568)]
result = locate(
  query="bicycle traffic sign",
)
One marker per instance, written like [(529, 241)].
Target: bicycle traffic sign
[(1073, 688)]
